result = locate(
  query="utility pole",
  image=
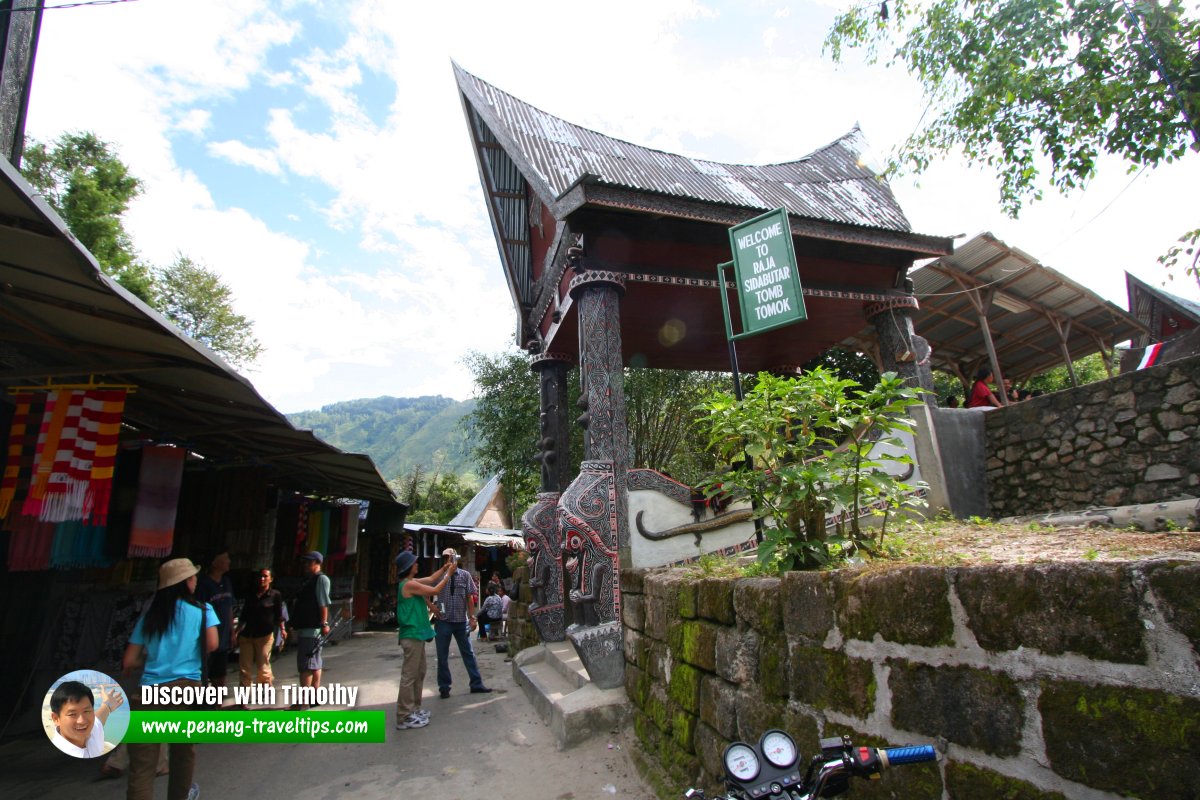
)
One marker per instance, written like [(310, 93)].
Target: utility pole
[(20, 22)]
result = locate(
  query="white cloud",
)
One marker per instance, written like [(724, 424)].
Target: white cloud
[(243, 155)]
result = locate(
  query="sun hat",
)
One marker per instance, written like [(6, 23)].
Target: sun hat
[(404, 562), (175, 571), (313, 556)]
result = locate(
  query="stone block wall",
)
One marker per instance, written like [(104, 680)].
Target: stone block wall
[(1131, 439), (521, 633), (1040, 681)]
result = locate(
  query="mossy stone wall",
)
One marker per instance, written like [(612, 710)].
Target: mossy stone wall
[(1132, 439), (1039, 682)]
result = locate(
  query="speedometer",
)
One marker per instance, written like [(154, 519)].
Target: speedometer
[(779, 749), (741, 762)]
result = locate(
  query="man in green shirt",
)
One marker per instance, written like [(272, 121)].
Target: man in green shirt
[(412, 617)]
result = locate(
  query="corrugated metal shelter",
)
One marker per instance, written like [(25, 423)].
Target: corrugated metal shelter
[(990, 303), (63, 321)]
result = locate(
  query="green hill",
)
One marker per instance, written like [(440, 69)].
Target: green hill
[(398, 433)]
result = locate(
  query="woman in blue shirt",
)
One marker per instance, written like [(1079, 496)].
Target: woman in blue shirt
[(166, 646)]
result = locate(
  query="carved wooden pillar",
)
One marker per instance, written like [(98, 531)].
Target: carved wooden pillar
[(593, 510), (900, 349), (540, 523)]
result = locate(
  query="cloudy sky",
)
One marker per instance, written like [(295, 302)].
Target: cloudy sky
[(315, 155)]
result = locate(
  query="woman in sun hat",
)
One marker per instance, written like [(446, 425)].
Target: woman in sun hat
[(168, 644), (412, 615)]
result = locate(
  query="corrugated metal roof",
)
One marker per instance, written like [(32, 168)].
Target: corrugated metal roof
[(1031, 302), (831, 184)]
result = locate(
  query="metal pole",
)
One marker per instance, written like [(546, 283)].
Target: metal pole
[(737, 376)]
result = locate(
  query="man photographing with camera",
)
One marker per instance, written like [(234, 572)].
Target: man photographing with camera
[(455, 617)]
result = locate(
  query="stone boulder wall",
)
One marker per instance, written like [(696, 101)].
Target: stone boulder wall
[(1040, 681), (1131, 439)]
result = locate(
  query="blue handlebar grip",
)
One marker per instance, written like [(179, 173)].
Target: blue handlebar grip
[(910, 755)]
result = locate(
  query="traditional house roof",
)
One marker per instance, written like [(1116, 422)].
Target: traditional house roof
[(831, 184), (661, 221), (476, 514), (1163, 313)]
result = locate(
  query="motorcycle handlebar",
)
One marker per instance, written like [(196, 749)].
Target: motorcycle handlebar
[(913, 754)]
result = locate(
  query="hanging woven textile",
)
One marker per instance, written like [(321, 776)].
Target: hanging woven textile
[(63, 499), (78, 545), (29, 544), (314, 530), (301, 528), (53, 417), (17, 436), (153, 531), (350, 528), (102, 411)]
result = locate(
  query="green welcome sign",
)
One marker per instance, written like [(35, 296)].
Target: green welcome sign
[(768, 280)]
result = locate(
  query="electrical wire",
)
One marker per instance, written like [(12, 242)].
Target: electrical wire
[(79, 4)]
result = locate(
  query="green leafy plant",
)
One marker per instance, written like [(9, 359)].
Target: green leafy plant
[(1091, 554), (814, 444)]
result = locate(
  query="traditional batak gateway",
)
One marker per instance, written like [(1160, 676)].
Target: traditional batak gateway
[(611, 254)]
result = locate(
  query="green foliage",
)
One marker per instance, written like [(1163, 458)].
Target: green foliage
[(434, 497), (83, 180), (848, 364), (1186, 247), (503, 425), (815, 445), (1015, 84), (1088, 369), (660, 405), (196, 300), (398, 433)]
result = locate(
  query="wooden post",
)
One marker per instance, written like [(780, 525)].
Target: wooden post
[(983, 302), (1064, 332)]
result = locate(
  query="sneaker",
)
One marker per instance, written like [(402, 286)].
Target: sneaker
[(422, 713), (443, 693), (412, 721), (481, 690), (194, 792)]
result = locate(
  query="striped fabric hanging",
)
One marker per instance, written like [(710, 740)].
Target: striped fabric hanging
[(63, 498), (43, 458), (16, 451), (102, 411)]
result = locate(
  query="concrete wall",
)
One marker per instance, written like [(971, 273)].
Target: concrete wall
[(1044, 681), (1131, 439)]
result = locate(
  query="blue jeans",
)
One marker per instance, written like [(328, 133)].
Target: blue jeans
[(442, 632)]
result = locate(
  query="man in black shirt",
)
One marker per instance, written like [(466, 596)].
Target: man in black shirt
[(262, 618)]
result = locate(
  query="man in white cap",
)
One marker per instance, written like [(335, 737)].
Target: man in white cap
[(455, 612)]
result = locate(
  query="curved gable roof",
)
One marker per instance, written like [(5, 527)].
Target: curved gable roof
[(830, 184)]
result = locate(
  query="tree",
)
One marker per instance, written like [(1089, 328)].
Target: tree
[(1015, 84), (434, 497), (504, 424), (196, 300), (83, 180), (660, 407)]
